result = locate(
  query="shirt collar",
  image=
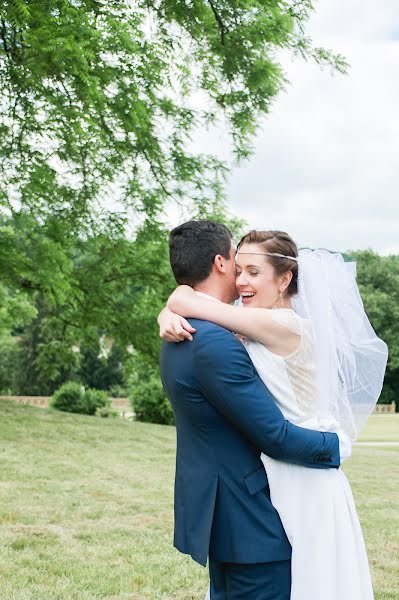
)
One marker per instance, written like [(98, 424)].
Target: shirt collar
[(207, 296)]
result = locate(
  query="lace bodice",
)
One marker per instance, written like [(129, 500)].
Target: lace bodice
[(291, 379)]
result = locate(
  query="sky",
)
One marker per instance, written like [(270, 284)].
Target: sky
[(326, 161)]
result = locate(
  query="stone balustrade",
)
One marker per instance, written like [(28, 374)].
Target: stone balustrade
[(385, 409), (123, 406)]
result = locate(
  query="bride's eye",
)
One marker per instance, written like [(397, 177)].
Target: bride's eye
[(253, 273)]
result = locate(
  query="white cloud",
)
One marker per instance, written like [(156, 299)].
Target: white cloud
[(326, 165), (360, 19), (326, 161)]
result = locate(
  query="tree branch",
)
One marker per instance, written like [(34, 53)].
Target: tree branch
[(4, 36), (223, 29)]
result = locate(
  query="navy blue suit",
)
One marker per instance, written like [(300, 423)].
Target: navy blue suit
[(225, 417)]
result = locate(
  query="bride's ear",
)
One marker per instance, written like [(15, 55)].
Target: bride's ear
[(285, 280)]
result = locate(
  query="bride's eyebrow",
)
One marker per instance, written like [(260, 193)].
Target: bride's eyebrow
[(247, 266)]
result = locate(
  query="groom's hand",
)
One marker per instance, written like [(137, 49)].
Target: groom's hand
[(173, 327)]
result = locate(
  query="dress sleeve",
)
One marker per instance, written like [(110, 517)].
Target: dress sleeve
[(289, 319)]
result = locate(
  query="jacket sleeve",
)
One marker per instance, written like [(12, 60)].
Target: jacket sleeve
[(229, 381)]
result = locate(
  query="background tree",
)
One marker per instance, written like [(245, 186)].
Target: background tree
[(99, 103), (101, 98), (108, 288), (81, 289), (378, 278)]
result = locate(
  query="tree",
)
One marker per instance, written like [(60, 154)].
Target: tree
[(101, 363), (9, 355), (100, 100), (378, 279), (99, 96), (80, 291)]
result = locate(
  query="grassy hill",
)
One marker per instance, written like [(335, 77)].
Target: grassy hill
[(86, 510)]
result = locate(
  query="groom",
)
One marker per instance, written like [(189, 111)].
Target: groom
[(225, 417)]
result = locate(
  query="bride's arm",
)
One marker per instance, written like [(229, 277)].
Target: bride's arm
[(255, 323)]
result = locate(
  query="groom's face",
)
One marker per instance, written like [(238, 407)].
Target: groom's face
[(227, 269), (229, 281)]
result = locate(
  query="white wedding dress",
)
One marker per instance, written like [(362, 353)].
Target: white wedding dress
[(316, 506)]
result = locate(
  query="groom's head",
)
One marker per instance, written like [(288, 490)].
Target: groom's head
[(202, 251)]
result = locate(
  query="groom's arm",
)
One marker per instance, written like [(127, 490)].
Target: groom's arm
[(230, 382)]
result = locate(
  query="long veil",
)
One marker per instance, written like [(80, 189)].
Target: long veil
[(350, 358)]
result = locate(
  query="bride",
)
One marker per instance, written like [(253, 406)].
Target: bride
[(304, 326)]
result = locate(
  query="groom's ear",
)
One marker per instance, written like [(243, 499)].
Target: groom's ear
[(219, 262)]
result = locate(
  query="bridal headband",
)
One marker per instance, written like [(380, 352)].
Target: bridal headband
[(270, 254)]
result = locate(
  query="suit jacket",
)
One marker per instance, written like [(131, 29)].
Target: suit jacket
[(225, 417)]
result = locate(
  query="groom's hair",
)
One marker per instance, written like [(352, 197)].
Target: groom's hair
[(193, 247)]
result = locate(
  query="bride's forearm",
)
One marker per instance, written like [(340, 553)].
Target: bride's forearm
[(184, 301), (163, 314), (255, 323)]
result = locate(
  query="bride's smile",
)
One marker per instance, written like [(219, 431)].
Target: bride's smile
[(257, 282)]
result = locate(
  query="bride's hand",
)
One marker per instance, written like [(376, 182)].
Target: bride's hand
[(242, 338), (173, 327)]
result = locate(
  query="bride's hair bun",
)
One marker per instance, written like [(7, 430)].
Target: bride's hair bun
[(276, 242)]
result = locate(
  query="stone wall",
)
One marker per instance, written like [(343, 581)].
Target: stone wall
[(122, 405), (385, 409)]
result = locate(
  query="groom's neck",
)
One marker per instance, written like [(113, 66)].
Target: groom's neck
[(212, 289)]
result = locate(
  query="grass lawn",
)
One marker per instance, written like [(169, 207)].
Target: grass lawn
[(381, 428), (86, 509)]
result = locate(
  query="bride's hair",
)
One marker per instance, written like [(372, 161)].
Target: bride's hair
[(278, 242)]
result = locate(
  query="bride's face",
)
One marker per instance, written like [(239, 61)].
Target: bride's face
[(256, 280)]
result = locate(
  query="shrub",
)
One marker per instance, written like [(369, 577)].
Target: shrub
[(118, 391), (9, 363), (106, 411), (150, 403), (69, 397), (94, 399), (72, 397)]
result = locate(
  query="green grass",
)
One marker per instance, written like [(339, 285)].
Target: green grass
[(86, 510), (381, 428)]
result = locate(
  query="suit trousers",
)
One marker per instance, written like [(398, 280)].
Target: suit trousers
[(261, 581)]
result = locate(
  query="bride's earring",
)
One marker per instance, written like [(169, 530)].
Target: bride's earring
[(279, 303), (281, 300)]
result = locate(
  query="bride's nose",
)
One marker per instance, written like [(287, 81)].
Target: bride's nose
[(241, 280)]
